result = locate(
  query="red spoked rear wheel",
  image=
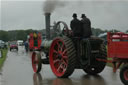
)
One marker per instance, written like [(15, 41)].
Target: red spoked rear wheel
[(124, 74), (59, 59), (62, 57), (36, 62)]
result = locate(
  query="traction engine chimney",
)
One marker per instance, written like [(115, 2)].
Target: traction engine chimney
[(47, 24)]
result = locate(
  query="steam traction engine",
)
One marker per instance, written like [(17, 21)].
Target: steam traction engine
[(66, 52), (34, 41)]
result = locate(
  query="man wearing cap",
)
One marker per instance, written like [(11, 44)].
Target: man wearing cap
[(76, 26), (86, 26)]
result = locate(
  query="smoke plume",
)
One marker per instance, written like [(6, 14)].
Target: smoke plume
[(50, 5)]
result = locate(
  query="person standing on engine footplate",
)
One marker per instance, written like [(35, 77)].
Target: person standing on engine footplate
[(86, 26), (76, 26), (86, 29)]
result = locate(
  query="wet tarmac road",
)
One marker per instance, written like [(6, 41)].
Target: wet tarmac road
[(17, 70)]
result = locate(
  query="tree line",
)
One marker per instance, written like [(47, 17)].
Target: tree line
[(22, 34), (15, 34)]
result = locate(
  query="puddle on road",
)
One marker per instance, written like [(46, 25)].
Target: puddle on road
[(85, 80), (38, 80)]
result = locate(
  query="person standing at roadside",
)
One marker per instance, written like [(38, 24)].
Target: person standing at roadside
[(26, 46)]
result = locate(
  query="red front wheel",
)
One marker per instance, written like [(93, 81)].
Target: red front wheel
[(36, 62), (124, 74), (62, 57)]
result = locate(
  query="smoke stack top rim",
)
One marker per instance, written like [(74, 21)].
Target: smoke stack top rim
[(47, 13)]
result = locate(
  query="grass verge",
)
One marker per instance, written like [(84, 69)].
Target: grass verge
[(109, 64), (4, 55)]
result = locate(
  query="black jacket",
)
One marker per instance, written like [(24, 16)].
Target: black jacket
[(76, 27), (86, 27)]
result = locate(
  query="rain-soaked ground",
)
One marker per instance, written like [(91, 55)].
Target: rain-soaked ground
[(17, 70)]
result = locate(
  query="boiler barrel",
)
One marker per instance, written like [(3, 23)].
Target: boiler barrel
[(46, 44)]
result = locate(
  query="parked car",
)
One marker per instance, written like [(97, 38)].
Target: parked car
[(13, 45), (2, 44)]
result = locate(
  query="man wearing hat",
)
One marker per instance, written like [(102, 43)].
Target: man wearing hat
[(76, 26), (86, 26)]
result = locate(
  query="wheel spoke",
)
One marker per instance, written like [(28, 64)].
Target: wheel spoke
[(62, 67), (64, 62), (56, 61), (64, 57), (58, 46), (59, 68), (54, 51), (64, 52), (62, 47), (55, 57)]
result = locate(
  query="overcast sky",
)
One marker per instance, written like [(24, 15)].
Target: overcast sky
[(29, 14)]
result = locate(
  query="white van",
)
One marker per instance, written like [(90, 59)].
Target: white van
[(20, 42)]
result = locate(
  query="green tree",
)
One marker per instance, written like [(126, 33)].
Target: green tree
[(114, 30), (12, 35), (97, 31), (21, 35), (3, 35), (29, 31)]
